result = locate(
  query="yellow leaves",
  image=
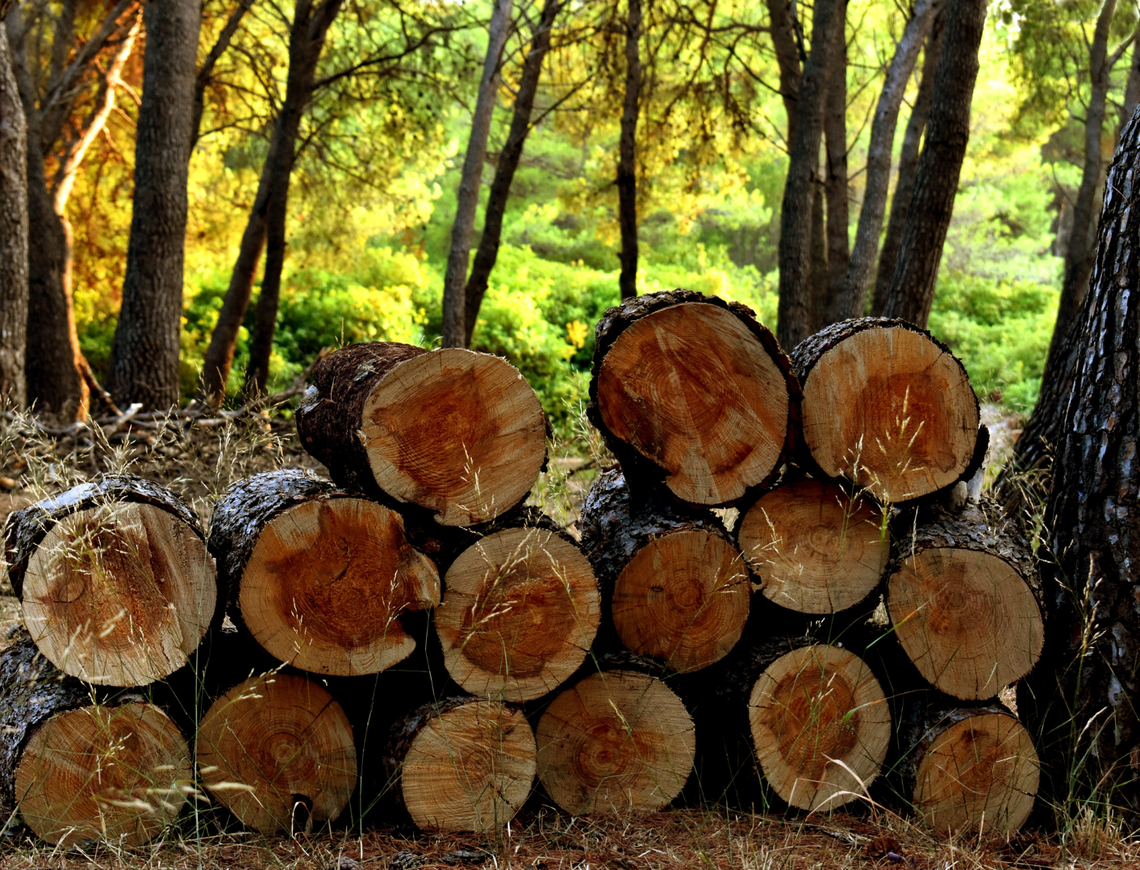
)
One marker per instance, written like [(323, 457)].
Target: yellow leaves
[(576, 332)]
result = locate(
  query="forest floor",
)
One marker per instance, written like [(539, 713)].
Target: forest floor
[(200, 457)]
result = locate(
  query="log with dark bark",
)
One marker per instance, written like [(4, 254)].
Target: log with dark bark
[(520, 612), (691, 388), (615, 741), (272, 743), (461, 764), (888, 407), (673, 586), (116, 583), (77, 770), (320, 577), (455, 432), (815, 547), (963, 596)]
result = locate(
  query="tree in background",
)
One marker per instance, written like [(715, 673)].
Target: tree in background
[(13, 232)]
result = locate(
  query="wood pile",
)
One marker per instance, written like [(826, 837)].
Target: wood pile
[(505, 656)]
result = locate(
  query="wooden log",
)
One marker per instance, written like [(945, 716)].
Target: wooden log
[(816, 548), (275, 750), (115, 582), (461, 764), (458, 433), (615, 741), (520, 611), (964, 601), (320, 577), (887, 407), (76, 769), (691, 389), (673, 585)]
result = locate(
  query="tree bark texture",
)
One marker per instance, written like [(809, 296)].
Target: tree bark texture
[(508, 162), (877, 177), (835, 175), (145, 354), (13, 234), (936, 184), (467, 201), (781, 16), (627, 153), (793, 318)]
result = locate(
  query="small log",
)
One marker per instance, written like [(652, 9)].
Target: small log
[(615, 741), (116, 585), (461, 764), (816, 548), (78, 770), (673, 585), (272, 743), (694, 390), (887, 407), (520, 611), (320, 577), (458, 433), (963, 596)]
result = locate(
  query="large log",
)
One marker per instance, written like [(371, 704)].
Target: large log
[(320, 577), (277, 750), (115, 582), (458, 433), (520, 611), (77, 770), (963, 596), (674, 587), (693, 390), (888, 407)]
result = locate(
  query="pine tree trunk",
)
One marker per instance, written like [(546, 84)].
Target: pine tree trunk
[(835, 177), (13, 235), (781, 16)]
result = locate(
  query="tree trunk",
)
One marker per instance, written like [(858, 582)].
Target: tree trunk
[(144, 363), (781, 15), (627, 153), (793, 319), (835, 177), (13, 234), (508, 162), (850, 302), (908, 165), (265, 318), (820, 276), (455, 278), (936, 184)]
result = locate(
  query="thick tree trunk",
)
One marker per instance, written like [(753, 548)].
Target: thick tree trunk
[(936, 184), (781, 16), (627, 153), (793, 319), (877, 177), (835, 177), (145, 354), (908, 165), (13, 233), (455, 278), (508, 162)]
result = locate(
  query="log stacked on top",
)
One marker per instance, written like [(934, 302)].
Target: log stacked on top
[(616, 647)]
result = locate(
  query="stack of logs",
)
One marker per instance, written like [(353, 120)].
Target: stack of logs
[(412, 634)]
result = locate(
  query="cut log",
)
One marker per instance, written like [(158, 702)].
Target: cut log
[(815, 548), (886, 406), (691, 388), (520, 612), (462, 764), (674, 586), (116, 585), (318, 576), (76, 770), (964, 603), (273, 742), (456, 432), (820, 726), (615, 741)]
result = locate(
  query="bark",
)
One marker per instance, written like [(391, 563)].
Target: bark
[(793, 319), (455, 278), (627, 153), (850, 302), (835, 178), (508, 162), (819, 276), (908, 166), (936, 184), (144, 363), (13, 233), (781, 16)]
